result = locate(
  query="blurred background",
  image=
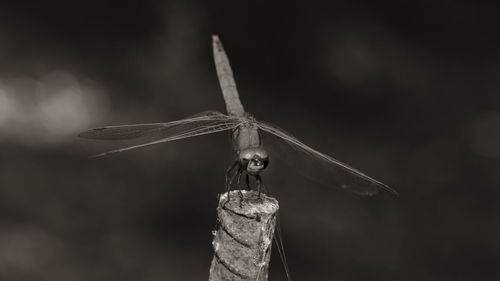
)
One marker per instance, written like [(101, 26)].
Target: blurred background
[(407, 92)]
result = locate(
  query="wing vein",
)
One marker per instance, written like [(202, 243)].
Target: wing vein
[(295, 143)]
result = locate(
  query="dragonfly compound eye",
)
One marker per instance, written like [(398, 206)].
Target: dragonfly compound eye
[(253, 160), (256, 165)]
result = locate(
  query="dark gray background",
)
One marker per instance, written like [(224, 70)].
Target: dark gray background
[(405, 91)]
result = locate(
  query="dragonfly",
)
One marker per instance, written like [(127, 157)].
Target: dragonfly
[(252, 155)]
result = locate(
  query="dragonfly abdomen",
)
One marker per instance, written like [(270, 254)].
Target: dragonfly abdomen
[(226, 80)]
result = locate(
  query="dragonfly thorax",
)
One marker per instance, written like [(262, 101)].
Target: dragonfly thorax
[(253, 160)]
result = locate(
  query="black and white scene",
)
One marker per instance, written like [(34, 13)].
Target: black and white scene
[(249, 140)]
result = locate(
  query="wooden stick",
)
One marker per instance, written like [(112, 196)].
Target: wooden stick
[(243, 239)]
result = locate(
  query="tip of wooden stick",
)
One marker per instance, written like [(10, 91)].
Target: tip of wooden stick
[(248, 202)]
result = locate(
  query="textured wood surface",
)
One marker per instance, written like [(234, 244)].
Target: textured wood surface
[(243, 239)]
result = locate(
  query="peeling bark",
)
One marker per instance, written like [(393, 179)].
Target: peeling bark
[(243, 239)]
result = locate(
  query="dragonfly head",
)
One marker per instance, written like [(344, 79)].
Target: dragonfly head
[(253, 160)]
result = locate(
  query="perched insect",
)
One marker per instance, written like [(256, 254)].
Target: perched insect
[(252, 156)]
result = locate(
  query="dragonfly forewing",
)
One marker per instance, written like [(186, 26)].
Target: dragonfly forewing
[(155, 133)]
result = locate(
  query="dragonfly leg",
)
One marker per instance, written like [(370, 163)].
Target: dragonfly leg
[(259, 183), (263, 187), (238, 185), (230, 178), (247, 181)]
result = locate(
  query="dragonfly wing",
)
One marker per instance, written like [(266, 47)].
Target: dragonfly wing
[(124, 132), (150, 134), (319, 166), (135, 131)]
